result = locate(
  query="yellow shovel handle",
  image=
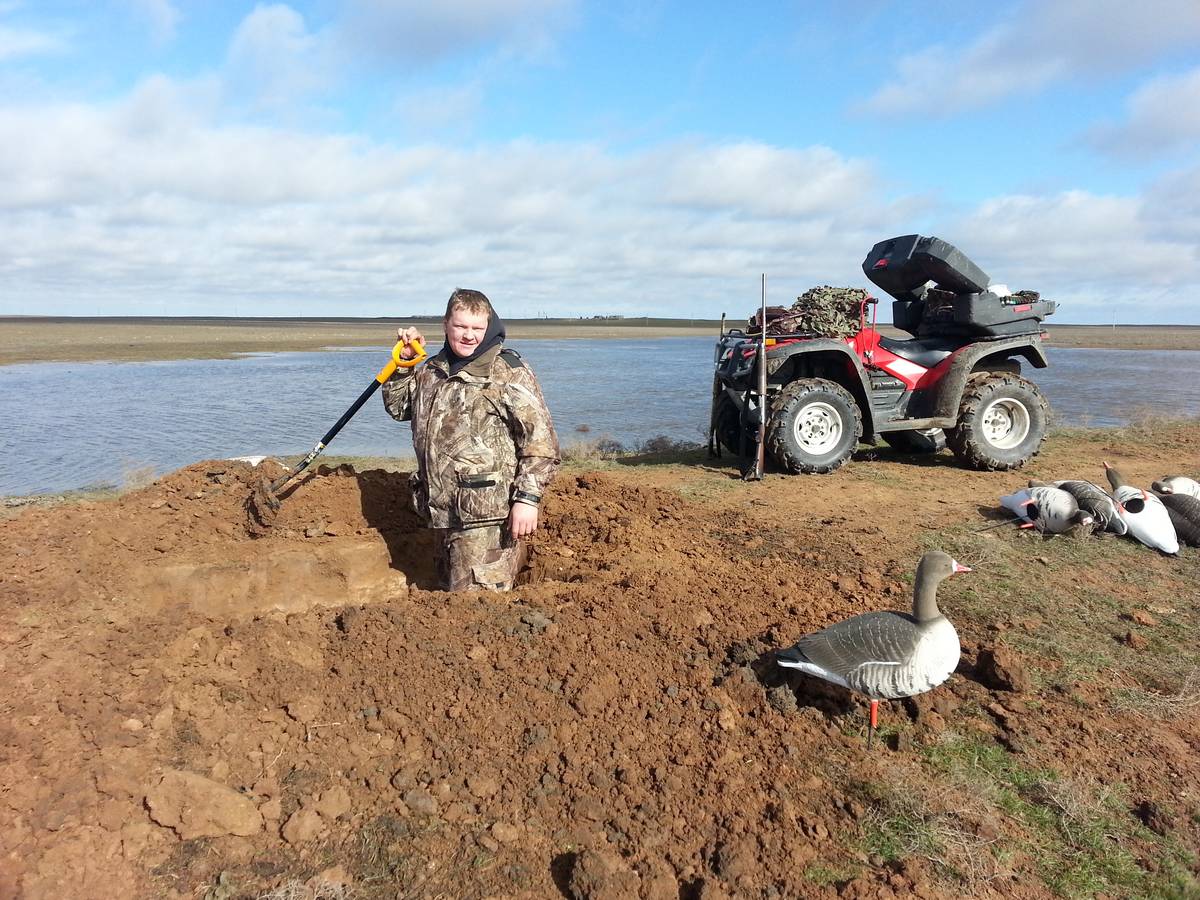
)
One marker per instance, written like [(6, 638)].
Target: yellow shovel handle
[(399, 362)]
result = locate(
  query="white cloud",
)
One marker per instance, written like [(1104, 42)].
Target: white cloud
[(273, 59), (1163, 115), (1172, 211), (438, 109), (162, 16), (1040, 42), (119, 207), (401, 33), (20, 42), (1088, 251)]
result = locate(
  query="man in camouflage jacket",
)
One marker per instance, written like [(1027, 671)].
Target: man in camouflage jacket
[(485, 444)]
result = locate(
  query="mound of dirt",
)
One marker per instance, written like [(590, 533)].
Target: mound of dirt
[(196, 708)]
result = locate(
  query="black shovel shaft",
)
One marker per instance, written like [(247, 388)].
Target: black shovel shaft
[(349, 414), (329, 436)]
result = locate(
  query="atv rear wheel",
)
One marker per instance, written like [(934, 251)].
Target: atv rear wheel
[(1001, 422), (814, 426), (919, 440)]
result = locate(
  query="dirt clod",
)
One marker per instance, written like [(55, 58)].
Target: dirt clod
[(602, 875), (195, 806), (999, 667)]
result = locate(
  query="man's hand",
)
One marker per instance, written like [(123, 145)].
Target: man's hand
[(522, 520), (406, 336)]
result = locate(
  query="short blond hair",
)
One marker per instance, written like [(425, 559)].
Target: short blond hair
[(471, 301)]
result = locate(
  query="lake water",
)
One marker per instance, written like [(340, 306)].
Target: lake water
[(94, 424)]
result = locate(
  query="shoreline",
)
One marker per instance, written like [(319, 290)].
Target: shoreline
[(46, 339)]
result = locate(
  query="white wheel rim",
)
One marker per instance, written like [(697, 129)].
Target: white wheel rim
[(1005, 423), (818, 428)]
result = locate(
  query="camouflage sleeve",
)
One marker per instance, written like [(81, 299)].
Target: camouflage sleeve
[(397, 394), (532, 431)]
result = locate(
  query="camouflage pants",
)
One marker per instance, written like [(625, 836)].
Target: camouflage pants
[(478, 559)]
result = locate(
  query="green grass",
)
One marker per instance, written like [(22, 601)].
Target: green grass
[(826, 875), (1081, 836)]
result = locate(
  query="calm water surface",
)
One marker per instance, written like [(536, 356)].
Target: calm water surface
[(103, 423)]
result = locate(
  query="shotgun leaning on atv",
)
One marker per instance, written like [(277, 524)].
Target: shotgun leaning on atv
[(957, 382)]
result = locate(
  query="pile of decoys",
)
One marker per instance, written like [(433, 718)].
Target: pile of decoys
[(1160, 518)]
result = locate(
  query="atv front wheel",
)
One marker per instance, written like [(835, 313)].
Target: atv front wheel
[(920, 440), (728, 421), (814, 426), (1001, 422)]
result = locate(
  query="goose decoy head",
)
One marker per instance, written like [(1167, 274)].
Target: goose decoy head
[(934, 567), (1177, 484), (1114, 477)]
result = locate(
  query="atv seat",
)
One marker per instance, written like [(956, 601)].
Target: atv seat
[(926, 352)]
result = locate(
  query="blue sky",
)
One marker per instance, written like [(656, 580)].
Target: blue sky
[(574, 158)]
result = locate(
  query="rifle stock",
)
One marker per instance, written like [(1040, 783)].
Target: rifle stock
[(755, 473)]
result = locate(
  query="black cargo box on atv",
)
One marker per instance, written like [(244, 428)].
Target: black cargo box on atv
[(960, 304), (985, 314), (902, 265)]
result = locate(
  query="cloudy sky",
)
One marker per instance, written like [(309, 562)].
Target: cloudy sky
[(568, 157)]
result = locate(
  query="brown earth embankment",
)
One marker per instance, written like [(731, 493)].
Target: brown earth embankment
[(192, 711)]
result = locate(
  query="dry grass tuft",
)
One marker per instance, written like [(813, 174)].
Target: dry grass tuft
[(1160, 705), (314, 890), (134, 477), (594, 450)]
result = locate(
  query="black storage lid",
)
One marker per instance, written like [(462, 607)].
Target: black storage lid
[(902, 265)]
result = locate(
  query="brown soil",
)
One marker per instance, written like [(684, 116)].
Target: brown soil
[(193, 711)]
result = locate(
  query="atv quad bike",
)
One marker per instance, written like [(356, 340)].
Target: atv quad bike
[(956, 382)]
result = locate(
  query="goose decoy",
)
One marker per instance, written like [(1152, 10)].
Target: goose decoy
[(1184, 511), (1177, 484), (1049, 509), (1144, 513), (1096, 503), (886, 655)]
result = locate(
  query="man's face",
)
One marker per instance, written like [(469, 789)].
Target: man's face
[(464, 330)]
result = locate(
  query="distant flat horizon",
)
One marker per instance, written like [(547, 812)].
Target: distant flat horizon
[(607, 321)]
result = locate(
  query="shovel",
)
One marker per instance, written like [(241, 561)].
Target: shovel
[(264, 501)]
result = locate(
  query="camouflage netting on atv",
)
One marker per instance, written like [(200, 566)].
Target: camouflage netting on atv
[(828, 311)]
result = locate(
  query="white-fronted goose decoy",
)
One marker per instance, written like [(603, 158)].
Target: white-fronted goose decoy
[(1144, 513), (1177, 484), (1093, 500), (1049, 509), (886, 655), (1184, 510)]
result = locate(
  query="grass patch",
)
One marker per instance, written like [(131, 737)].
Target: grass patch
[(933, 825), (1159, 704), (824, 875), (1081, 836)]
